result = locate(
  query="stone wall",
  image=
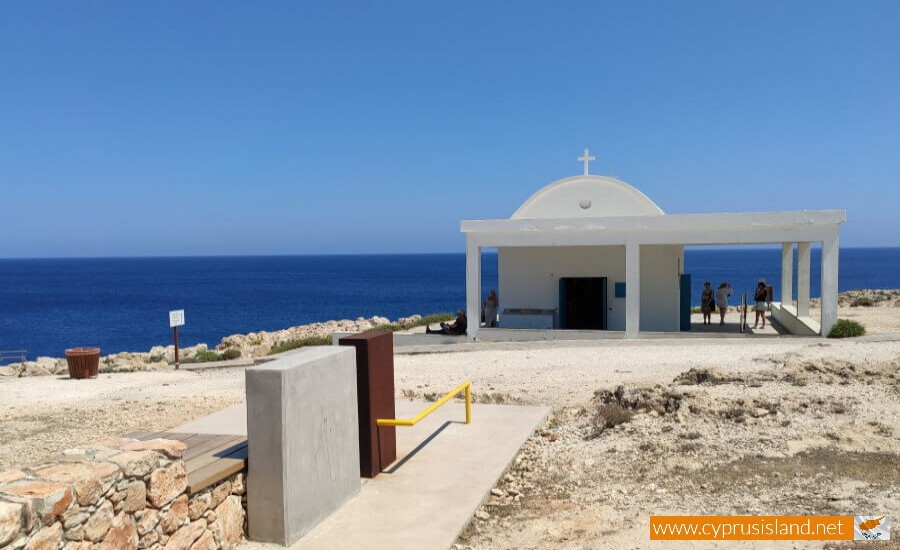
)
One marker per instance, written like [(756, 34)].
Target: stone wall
[(118, 495)]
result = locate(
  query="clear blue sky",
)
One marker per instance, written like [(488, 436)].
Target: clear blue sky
[(181, 128)]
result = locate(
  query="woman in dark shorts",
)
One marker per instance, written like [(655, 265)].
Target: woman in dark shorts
[(760, 297)]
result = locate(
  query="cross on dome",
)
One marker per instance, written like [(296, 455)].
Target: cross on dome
[(586, 159)]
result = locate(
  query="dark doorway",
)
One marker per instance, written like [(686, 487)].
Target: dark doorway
[(582, 303)]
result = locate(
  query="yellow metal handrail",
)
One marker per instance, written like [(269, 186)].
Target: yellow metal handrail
[(465, 386)]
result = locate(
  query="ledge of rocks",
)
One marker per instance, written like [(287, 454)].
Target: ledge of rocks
[(161, 358), (118, 494)]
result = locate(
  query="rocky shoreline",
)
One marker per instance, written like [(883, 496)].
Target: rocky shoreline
[(258, 344), (162, 358)]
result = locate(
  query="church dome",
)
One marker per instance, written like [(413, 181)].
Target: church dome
[(587, 197)]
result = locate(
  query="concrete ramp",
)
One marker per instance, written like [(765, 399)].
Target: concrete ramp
[(445, 469)]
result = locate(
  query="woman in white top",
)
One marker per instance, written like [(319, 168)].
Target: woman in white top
[(722, 294)]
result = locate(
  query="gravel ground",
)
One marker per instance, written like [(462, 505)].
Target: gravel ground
[(783, 425)]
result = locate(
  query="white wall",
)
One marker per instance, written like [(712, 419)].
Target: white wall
[(529, 277), (660, 288)]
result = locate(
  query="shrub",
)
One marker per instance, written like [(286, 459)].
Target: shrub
[(862, 302), (204, 356), (281, 347), (845, 328), (387, 327), (608, 416), (231, 353)]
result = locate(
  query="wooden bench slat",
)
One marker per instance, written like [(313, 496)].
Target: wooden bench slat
[(216, 471), (226, 447), (174, 435), (195, 442), (210, 443), (140, 436)]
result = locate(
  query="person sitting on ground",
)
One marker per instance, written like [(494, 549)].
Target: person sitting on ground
[(456, 328), (760, 297)]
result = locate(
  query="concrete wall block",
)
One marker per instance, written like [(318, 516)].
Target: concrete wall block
[(303, 440)]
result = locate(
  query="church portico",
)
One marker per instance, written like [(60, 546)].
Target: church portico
[(593, 253)]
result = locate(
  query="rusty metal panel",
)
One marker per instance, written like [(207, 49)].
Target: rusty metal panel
[(375, 396)]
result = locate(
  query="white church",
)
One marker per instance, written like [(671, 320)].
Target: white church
[(593, 256)]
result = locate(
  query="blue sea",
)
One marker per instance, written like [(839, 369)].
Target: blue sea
[(122, 304)]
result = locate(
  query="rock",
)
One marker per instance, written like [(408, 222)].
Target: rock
[(237, 484), (48, 499), (11, 371), (136, 463), (169, 447), (81, 545), (99, 523), (135, 496), (759, 412), (48, 538), (149, 541), (166, 484), (199, 505), (229, 524), (205, 542), (11, 520), (11, 475), (482, 515), (76, 533), (75, 520), (497, 492), (220, 492), (51, 364), (31, 368), (159, 353), (148, 522), (91, 480), (175, 515), (122, 534), (185, 537)]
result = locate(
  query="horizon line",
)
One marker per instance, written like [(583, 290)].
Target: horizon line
[(325, 254)]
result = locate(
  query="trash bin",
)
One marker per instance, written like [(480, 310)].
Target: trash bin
[(83, 362)]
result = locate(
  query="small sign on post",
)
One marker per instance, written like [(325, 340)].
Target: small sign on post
[(176, 319)]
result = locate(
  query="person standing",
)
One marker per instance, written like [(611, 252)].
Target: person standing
[(760, 298), (722, 294), (707, 303), (490, 309)]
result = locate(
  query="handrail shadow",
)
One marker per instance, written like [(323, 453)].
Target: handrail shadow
[(396, 466)]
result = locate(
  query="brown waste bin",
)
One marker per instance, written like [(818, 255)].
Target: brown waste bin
[(83, 362)]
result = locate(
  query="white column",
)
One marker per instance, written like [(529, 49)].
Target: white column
[(829, 281), (473, 286), (803, 259), (787, 274), (632, 289)]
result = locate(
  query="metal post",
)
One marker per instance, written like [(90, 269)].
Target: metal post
[(175, 336), (468, 403)]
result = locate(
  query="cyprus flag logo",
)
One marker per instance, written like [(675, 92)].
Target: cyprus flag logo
[(871, 528)]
